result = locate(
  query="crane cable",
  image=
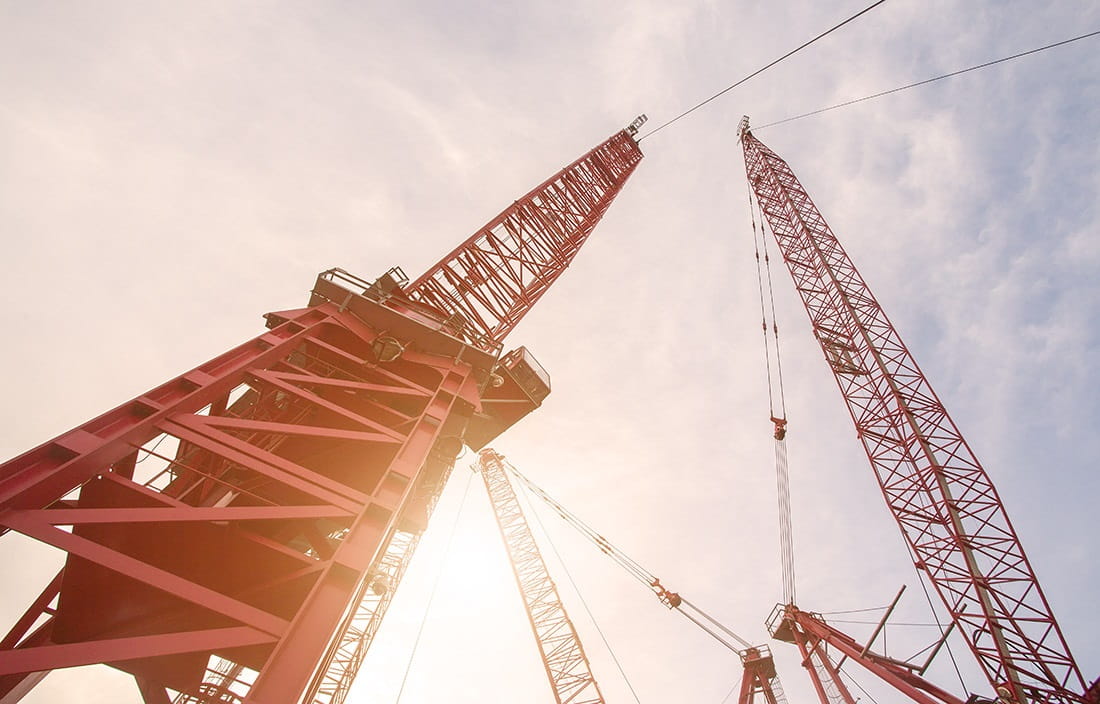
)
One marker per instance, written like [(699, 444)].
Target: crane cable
[(637, 571), (776, 391), (672, 600), (758, 71), (777, 404), (854, 681), (926, 81), (577, 590), (435, 587)]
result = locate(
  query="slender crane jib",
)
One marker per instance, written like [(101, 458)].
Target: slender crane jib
[(962, 535)]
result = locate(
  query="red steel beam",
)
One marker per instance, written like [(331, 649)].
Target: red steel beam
[(813, 629), (135, 648), (824, 675), (759, 677)]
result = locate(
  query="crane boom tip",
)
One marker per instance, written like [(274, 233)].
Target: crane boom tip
[(634, 126)]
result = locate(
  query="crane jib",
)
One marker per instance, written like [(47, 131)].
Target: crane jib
[(943, 500)]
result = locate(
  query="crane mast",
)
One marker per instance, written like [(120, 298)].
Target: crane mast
[(943, 500), (563, 656), (234, 514)]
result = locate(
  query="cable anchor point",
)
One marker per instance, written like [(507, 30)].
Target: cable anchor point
[(743, 128)]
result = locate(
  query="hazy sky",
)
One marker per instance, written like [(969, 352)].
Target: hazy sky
[(171, 171)]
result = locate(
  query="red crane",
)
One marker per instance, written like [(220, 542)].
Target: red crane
[(563, 657), (758, 677), (239, 513), (943, 500)]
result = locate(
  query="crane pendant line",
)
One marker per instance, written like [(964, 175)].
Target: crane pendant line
[(672, 600), (943, 500), (563, 656)]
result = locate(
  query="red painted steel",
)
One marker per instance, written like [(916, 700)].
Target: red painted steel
[(490, 281), (823, 673), (759, 677), (225, 530), (563, 657), (942, 498), (812, 633), (291, 454), (337, 671)]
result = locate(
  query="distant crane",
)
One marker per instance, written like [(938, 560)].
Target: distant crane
[(563, 657), (560, 648), (227, 529), (944, 502)]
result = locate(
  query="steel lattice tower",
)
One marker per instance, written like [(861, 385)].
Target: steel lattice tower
[(223, 530), (943, 500), (759, 678), (563, 657)]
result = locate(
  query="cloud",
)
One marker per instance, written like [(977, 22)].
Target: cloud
[(172, 172)]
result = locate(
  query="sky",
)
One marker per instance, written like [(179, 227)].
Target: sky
[(171, 171)]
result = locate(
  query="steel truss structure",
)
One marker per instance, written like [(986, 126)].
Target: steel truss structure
[(944, 502), (292, 454), (333, 679), (814, 636), (563, 657), (759, 677), (490, 281), (225, 533)]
